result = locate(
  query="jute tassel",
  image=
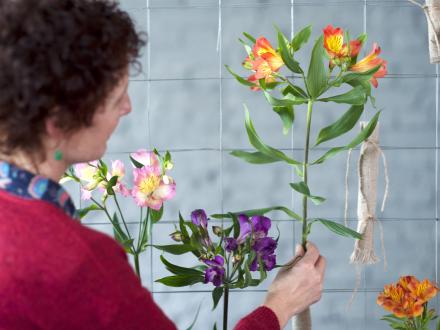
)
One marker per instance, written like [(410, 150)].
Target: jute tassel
[(367, 195), (302, 321), (432, 13)]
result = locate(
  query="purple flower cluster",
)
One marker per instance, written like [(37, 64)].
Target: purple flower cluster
[(215, 271), (257, 228)]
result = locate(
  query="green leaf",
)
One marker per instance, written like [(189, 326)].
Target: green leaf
[(182, 227), (156, 215), (195, 317), (111, 183), (181, 280), (262, 211), (356, 96), (145, 232), (240, 79), (136, 163), (256, 141), (217, 293), (295, 91), (246, 46), (302, 37), (317, 74), (254, 157), (176, 249), (251, 38), (178, 270), (123, 240), (287, 115), (286, 55), (360, 76), (362, 136), (342, 125), (289, 100), (235, 224), (84, 211), (103, 167), (340, 229), (303, 189)]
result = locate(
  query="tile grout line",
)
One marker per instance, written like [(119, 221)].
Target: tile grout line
[(364, 326), (220, 59), (292, 32), (436, 248), (149, 127)]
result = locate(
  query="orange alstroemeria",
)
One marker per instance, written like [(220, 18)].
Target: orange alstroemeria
[(423, 291), (264, 60), (371, 61), (335, 46), (398, 301)]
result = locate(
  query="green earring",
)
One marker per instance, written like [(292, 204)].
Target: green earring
[(58, 155)]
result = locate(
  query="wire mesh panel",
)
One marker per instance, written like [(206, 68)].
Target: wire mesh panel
[(186, 102)]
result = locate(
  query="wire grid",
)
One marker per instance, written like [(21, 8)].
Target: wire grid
[(220, 149)]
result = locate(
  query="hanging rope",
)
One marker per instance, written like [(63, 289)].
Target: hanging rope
[(426, 9)]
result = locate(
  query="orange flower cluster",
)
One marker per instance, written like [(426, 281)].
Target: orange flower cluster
[(407, 297), (340, 53), (264, 61)]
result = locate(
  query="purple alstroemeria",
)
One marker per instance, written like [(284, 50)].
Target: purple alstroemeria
[(231, 244), (265, 246), (259, 224), (215, 271), (199, 218), (269, 262)]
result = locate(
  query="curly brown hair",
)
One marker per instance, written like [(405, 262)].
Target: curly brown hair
[(59, 58)]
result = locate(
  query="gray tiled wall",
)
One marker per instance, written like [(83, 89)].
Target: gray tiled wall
[(186, 102)]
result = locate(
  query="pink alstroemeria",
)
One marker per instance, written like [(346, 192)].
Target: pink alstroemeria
[(118, 169), (87, 172), (146, 158), (151, 188)]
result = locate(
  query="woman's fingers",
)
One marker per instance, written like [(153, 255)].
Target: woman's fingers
[(312, 254), (320, 265)]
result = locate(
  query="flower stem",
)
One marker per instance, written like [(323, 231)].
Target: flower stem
[(225, 307), (122, 218), (136, 266), (305, 168)]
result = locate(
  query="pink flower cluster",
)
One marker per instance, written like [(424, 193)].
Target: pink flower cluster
[(151, 185)]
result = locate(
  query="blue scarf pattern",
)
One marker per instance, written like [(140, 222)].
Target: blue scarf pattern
[(24, 184)]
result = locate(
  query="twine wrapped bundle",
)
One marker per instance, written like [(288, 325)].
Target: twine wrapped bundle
[(367, 195), (368, 170), (432, 13)]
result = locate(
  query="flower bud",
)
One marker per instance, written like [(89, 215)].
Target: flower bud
[(168, 165), (236, 258), (177, 236), (217, 230)]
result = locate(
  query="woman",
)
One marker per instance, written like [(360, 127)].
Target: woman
[(63, 81)]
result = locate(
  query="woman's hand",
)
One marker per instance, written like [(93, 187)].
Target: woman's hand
[(296, 288)]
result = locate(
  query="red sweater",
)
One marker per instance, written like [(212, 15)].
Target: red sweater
[(58, 274)]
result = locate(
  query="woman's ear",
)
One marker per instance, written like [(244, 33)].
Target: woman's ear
[(53, 132)]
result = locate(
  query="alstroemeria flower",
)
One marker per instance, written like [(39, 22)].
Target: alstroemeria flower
[(397, 300), (265, 61), (265, 248), (151, 188), (146, 158), (338, 51), (87, 172), (423, 291), (215, 271), (269, 262), (369, 62), (258, 224), (199, 218), (118, 169)]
